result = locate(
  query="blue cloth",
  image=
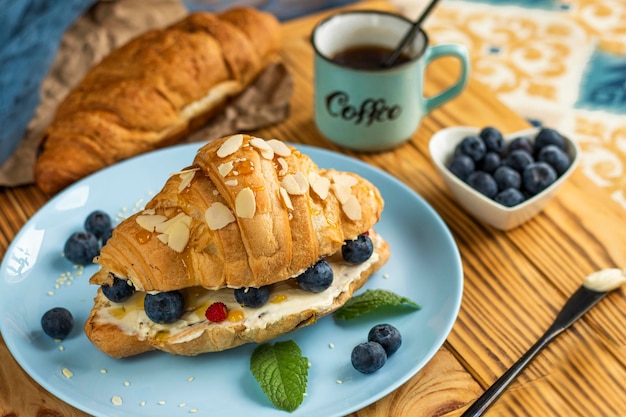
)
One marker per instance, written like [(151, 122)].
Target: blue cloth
[(30, 33)]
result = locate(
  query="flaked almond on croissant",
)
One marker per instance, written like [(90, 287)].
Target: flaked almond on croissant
[(154, 90), (247, 213)]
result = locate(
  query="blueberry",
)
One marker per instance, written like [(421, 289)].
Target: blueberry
[(316, 278), (472, 146), (120, 290), (164, 307), (81, 248), (493, 139), (252, 297), (368, 357), (510, 197), (358, 250), (490, 162), (461, 166), (547, 136), (521, 143), (483, 183), (555, 157), (537, 177), (518, 160), (57, 322), (98, 223), (387, 336), (507, 177)]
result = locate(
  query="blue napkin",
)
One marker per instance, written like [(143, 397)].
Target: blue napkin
[(30, 33)]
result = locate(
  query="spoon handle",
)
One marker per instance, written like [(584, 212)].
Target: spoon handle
[(577, 305), (409, 35), (494, 391)]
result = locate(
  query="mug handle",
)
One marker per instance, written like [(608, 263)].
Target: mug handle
[(441, 50)]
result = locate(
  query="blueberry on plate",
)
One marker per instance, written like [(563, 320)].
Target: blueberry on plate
[(472, 146), (358, 250), (316, 278), (387, 336), (483, 182), (493, 139), (121, 290), (98, 223), (81, 248), (521, 143), (461, 166), (510, 197), (57, 322), (252, 297), (537, 177), (507, 177), (368, 357), (518, 160), (555, 157), (547, 136), (164, 307)]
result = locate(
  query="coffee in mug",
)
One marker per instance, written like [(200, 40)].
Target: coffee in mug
[(361, 105)]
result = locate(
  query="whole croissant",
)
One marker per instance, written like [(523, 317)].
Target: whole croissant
[(246, 213), (253, 212), (154, 90)]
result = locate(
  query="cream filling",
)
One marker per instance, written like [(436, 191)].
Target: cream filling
[(605, 280), (286, 298), (215, 96)]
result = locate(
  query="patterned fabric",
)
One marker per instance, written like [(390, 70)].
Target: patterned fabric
[(561, 64)]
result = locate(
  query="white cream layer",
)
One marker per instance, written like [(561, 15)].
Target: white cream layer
[(286, 298)]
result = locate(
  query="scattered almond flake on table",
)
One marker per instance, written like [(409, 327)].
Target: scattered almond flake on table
[(67, 373), (116, 400)]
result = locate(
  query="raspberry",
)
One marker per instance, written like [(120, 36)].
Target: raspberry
[(217, 312)]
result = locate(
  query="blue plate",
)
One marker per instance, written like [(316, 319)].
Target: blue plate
[(425, 266)]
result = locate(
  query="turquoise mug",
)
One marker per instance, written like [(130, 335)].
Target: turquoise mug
[(375, 109)]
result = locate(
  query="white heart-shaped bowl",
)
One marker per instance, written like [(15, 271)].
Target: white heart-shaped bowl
[(441, 149)]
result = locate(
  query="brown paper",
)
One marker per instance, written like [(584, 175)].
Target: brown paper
[(108, 25)]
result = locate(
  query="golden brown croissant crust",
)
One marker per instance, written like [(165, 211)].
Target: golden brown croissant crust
[(247, 213), (155, 89)]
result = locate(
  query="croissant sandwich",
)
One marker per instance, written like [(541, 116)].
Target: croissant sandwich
[(251, 241), (154, 90)]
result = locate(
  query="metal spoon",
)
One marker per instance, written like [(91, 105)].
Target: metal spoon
[(578, 304), (409, 35)]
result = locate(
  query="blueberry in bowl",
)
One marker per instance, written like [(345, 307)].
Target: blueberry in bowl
[(534, 163)]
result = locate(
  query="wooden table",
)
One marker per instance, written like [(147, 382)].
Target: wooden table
[(515, 282)]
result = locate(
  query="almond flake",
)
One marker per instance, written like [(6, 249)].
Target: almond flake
[(180, 217), (286, 199), (186, 177), (150, 221), (342, 192), (178, 236), (352, 208), (163, 238), (320, 185), (284, 168), (225, 168), (218, 216), (279, 147), (230, 146), (295, 184), (149, 211), (344, 179), (231, 183), (245, 204), (266, 150)]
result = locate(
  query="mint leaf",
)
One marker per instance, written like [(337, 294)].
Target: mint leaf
[(281, 371), (371, 300)]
